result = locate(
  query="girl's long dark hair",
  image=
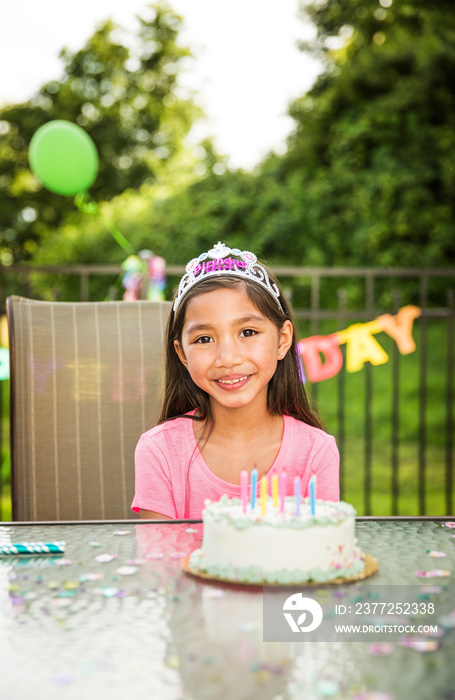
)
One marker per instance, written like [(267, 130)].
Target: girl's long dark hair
[(286, 392)]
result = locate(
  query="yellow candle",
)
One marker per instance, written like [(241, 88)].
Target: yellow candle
[(263, 495), (275, 490)]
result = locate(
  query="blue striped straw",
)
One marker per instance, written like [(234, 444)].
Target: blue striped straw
[(32, 548)]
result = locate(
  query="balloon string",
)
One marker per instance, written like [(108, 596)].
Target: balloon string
[(85, 204), (119, 237)]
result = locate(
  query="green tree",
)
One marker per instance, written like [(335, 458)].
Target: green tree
[(127, 101), (368, 178), (371, 160)]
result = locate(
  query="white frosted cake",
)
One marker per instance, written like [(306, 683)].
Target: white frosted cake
[(278, 547)]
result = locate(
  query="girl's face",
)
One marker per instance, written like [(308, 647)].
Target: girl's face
[(230, 348)]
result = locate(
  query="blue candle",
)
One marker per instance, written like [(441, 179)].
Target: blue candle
[(297, 495), (313, 494), (254, 481)]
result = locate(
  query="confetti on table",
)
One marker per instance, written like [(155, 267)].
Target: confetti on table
[(433, 573), (135, 562), (71, 585), (63, 562), (61, 602), (155, 555), (435, 553), (127, 570), (122, 533), (63, 679), (107, 591), (106, 558), (431, 590), (450, 524), (327, 689), (381, 649), (16, 600), (172, 661), (419, 644), (95, 544), (190, 529), (66, 594), (90, 577)]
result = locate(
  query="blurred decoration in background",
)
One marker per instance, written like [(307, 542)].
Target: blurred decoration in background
[(157, 275), (132, 277), (144, 277)]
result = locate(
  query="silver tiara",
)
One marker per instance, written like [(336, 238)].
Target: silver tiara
[(221, 260)]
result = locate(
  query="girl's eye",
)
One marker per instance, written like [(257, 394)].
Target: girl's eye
[(248, 332), (203, 339)]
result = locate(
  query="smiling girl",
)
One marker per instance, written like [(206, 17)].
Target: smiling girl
[(234, 394)]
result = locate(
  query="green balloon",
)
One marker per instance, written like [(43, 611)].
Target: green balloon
[(63, 157)]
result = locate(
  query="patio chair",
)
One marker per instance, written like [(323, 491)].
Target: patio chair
[(85, 383)]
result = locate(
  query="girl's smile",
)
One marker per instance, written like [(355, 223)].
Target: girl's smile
[(230, 348), (232, 383)]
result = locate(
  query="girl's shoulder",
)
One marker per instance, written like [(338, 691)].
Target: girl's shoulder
[(171, 427), (298, 427)]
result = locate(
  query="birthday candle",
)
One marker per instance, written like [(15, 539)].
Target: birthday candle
[(244, 488), (313, 494), (263, 495), (283, 477), (254, 480), (275, 490), (297, 495)]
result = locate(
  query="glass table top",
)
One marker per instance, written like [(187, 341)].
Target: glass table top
[(116, 615)]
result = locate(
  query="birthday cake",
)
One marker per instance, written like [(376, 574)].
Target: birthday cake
[(278, 545)]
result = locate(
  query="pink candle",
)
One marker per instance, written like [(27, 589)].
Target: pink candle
[(244, 488), (282, 490)]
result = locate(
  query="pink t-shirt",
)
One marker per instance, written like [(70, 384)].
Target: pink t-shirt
[(172, 478)]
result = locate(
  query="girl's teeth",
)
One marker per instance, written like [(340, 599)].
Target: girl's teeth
[(231, 381)]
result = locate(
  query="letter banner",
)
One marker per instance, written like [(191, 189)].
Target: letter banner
[(323, 358)]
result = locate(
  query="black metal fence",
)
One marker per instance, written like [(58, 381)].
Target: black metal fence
[(327, 300), (433, 291)]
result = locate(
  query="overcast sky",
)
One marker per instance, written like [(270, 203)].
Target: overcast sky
[(246, 70)]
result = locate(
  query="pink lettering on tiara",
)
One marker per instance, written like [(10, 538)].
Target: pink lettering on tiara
[(220, 264), (220, 259)]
